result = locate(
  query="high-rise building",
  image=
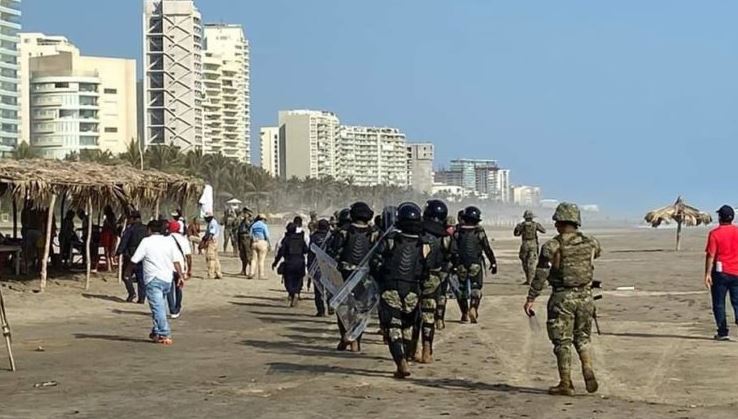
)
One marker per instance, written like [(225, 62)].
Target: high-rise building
[(371, 156), (227, 93), (77, 102), (307, 141), (10, 25), (270, 150), (420, 166), (527, 196), (172, 62), (470, 170), (35, 45)]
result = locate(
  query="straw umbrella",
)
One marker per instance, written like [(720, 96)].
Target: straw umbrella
[(682, 214)]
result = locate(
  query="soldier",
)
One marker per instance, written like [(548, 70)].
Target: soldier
[(230, 221), (351, 245), (470, 247), (566, 262), (528, 231), (313, 223), (398, 267), (243, 238), (442, 295)]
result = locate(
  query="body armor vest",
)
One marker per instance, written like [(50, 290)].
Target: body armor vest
[(357, 245), (295, 243), (529, 231), (573, 263), (470, 248), (405, 263)]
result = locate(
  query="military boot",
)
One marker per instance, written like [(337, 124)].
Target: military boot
[(440, 324), (588, 371), (474, 310), (403, 370), (427, 353), (564, 388)]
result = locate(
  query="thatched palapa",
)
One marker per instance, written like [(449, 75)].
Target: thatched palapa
[(83, 182)]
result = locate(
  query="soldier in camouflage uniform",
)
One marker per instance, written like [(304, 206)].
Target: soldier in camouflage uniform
[(470, 247), (313, 223), (567, 262), (350, 245), (398, 267), (528, 231), (437, 268)]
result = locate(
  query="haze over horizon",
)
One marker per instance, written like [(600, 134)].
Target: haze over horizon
[(624, 105)]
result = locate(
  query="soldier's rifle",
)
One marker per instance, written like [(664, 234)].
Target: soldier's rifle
[(596, 285)]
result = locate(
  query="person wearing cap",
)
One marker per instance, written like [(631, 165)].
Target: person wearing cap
[(260, 245), (129, 241), (180, 219), (210, 244), (184, 257), (721, 269)]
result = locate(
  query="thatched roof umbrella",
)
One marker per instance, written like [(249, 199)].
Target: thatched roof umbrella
[(682, 214), (90, 185)]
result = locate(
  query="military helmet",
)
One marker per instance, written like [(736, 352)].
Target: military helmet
[(528, 215), (360, 211), (568, 212), (472, 215), (435, 210), (344, 216), (408, 211)]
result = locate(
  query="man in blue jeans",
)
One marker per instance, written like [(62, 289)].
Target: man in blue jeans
[(158, 256), (721, 268)]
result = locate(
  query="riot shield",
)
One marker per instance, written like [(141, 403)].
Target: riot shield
[(453, 282), (324, 271), (355, 311)]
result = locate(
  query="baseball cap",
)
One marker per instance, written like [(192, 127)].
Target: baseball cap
[(726, 212), (173, 226)]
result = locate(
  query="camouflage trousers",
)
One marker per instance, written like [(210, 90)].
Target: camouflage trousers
[(570, 312), (429, 290), (244, 252), (529, 258), (398, 315), (471, 279), (441, 297)]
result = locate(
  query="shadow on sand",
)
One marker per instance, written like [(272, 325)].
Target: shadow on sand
[(113, 338), (656, 336), (105, 298)]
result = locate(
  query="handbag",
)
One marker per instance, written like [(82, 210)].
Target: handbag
[(280, 269)]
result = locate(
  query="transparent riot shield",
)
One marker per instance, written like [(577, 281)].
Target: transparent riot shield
[(324, 271), (453, 282), (356, 310)]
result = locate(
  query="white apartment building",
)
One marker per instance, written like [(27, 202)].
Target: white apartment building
[(35, 45), (10, 25), (227, 92), (371, 156), (527, 196), (77, 102), (172, 62), (270, 150), (307, 141), (420, 166)]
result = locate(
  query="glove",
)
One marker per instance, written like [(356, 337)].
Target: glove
[(274, 265), (493, 269)]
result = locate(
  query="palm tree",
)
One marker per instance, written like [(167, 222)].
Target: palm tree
[(166, 158), (133, 155), (24, 152), (680, 212)]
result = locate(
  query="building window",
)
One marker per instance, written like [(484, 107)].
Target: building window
[(61, 85), (110, 91), (111, 129)]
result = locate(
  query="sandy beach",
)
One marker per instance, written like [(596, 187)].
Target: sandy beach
[(239, 351)]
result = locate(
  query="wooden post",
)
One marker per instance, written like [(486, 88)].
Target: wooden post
[(15, 219), (6, 330), (679, 236), (156, 209), (87, 244), (47, 242), (120, 258)]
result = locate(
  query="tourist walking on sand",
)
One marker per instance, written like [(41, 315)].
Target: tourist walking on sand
[(721, 268), (184, 257), (260, 244), (293, 250), (210, 244), (158, 255), (129, 241)]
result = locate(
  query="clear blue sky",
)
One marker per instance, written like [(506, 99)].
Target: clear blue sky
[(625, 103)]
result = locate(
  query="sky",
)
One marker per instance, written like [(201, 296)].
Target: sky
[(626, 104)]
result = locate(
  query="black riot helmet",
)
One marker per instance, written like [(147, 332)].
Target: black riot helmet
[(409, 218), (360, 211), (472, 215), (435, 210), (344, 217)]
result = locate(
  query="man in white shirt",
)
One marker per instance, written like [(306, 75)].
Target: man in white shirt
[(158, 255), (184, 257)]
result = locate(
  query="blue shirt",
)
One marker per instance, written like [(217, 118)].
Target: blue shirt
[(213, 229), (260, 231)]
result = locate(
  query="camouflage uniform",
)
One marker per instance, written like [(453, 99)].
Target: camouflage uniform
[(243, 235), (566, 262), (528, 231), (470, 246), (437, 268)]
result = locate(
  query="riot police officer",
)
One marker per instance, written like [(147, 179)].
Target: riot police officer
[(471, 245), (350, 246), (398, 267)]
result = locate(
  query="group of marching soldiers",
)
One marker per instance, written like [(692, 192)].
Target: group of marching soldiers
[(411, 253), (414, 254)]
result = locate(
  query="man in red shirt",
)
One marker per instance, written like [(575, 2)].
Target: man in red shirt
[(721, 268)]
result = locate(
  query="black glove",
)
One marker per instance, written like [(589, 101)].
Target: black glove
[(274, 265), (493, 269)]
